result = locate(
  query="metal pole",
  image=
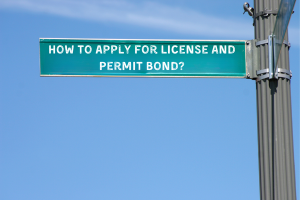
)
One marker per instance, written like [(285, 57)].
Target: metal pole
[(274, 116)]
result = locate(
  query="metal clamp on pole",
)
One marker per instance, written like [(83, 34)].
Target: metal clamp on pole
[(261, 42), (287, 43), (283, 73), (264, 72), (265, 13)]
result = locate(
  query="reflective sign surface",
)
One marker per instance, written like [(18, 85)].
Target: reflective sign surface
[(142, 58)]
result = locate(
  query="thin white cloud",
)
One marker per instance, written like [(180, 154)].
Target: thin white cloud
[(147, 14)]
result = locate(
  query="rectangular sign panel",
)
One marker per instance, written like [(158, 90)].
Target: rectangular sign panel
[(281, 24), (142, 58)]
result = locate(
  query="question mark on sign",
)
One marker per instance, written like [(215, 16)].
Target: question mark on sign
[(182, 64)]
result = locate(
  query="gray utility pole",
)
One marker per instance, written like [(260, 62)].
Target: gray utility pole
[(274, 114)]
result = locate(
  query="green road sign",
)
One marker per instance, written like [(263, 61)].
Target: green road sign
[(281, 24), (142, 58)]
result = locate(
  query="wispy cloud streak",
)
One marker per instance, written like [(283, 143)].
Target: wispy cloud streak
[(147, 14)]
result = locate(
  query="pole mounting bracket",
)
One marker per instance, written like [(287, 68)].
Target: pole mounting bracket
[(273, 72)]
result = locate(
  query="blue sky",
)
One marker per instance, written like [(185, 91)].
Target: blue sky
[(128, 138)]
